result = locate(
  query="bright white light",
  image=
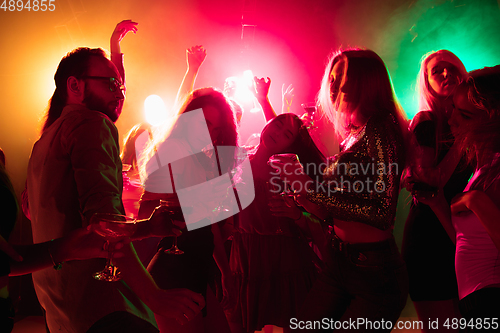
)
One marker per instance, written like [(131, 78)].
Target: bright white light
[(248, 77), (155, 110), (243, 95), (241, 89)]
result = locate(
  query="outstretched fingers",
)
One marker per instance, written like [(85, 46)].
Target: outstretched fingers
[(123, 28)]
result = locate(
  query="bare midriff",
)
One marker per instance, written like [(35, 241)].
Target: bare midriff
[(356, 232)]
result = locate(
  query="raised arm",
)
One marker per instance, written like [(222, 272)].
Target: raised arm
[(195, 56), (121, 30), (286, 98), (261, 92)]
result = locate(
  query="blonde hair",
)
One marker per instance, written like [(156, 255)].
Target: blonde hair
[(428, 100)]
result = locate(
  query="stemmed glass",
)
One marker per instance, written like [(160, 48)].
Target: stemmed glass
[(309, 116), (176, 214), (113, 227)]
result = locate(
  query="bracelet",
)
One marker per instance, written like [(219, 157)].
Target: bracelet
[(57, 266)]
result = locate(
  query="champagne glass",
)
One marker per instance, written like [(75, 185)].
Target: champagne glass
[(309, 115), (286, 159), (176, 214), (113, 227)]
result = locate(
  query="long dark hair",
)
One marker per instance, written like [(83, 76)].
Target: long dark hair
[(75, 63)]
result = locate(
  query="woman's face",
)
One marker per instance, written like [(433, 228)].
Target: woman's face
[(442, 76), (336, 79), (279, 134), (340, 88), (465, 116), (213, 118)]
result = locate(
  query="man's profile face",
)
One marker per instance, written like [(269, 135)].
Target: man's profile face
[(97, 94)]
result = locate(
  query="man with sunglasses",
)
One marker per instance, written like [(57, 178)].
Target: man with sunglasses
[(74, 172)]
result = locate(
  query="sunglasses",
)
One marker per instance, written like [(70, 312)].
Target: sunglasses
[(114, 84)]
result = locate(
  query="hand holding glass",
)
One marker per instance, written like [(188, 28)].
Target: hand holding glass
[(176, 214), (113, 227)]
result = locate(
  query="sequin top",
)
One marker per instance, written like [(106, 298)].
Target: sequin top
[(361, 183)]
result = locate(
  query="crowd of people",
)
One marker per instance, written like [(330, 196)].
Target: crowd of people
[(311, 250)]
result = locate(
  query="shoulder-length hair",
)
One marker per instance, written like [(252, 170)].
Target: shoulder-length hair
[(428, 100), (76, 63)]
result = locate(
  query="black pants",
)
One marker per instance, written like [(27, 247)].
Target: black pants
[(481, 310), (365, 281)]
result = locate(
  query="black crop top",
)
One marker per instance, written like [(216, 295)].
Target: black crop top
[(361, 183)]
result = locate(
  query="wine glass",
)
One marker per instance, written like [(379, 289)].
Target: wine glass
[(176, 214), (113, 227)]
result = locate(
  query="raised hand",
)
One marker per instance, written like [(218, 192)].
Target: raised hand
[(122, 29), (195, 57), (286, 97), (261, 87)]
